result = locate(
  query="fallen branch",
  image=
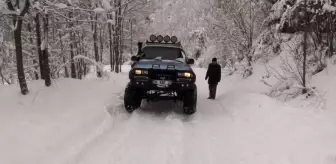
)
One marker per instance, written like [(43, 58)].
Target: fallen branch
[(263, 81)]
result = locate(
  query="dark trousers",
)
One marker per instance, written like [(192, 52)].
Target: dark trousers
[(212, 90)]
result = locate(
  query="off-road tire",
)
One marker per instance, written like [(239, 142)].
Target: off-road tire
[(190, 101), (132, 98)]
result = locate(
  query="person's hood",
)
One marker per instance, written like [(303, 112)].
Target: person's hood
[(161, 64)]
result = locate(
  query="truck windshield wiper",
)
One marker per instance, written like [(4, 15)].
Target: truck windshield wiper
[(178, 59), (158, 58)]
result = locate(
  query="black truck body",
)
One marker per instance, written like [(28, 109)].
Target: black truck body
[(161, 71)]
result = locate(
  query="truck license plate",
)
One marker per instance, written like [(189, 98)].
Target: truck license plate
[(162, 83)]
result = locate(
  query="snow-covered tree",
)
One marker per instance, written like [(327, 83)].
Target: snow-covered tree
[(54, 32)]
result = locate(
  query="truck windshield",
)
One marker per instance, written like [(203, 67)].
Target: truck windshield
[(165, 53)]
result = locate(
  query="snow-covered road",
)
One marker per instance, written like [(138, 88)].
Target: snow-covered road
[(239, 127), (159, 133)]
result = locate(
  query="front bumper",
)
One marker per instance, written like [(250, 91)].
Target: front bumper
[(148, 84)]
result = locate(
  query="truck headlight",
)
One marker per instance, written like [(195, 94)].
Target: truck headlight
[(141, 72), (185, 74)]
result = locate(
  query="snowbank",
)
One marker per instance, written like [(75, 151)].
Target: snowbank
[(266, 131), (51, 124), (260, 129), (325, 83)]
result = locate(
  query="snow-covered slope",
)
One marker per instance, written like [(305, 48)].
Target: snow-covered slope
[(83, 122)]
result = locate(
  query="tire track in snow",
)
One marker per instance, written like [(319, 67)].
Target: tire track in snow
[(196, 145), (119, 147), (158, 141), (177, 148), (76, 151), (108, 126), (142, 138), (203, 131), (103, 148)]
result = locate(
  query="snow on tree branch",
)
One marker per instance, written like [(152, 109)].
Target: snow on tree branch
[(99, 10), (329, 8)]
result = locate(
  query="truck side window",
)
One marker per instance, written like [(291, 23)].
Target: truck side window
[(184, 56)]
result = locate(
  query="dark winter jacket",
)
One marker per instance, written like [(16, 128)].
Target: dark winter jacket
[(213, 73)]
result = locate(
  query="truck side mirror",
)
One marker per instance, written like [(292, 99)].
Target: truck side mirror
[(134, 58), (190, 61), (139, 47)]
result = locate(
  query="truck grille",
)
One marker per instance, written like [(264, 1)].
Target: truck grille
[(163, 74)]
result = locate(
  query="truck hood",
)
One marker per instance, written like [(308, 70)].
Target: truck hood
[(148, 64)]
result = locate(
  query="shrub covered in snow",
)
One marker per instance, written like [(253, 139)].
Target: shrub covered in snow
[(290, 14), (266, 46)]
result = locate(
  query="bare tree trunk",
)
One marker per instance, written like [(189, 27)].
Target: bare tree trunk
[(117, 36), (80, 63), (45, 56), (85, 67), (250, 44), (331, 46), (305, 51), (75, 46), (331, 36), (111, 43), (17, 22), (2, 78), (304, 62), (38, 41), (101, 43), (131, 41), (85, 54), (95, 46), (19, 64), (72, 53), (121, 44), (117, 51)]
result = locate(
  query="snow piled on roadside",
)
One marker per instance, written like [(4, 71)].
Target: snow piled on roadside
[(52, 123), (325, 83), (265, 130)]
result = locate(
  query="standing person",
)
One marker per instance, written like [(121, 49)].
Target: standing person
[(214, 75)]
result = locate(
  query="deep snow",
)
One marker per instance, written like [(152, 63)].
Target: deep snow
[(83, 122)]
